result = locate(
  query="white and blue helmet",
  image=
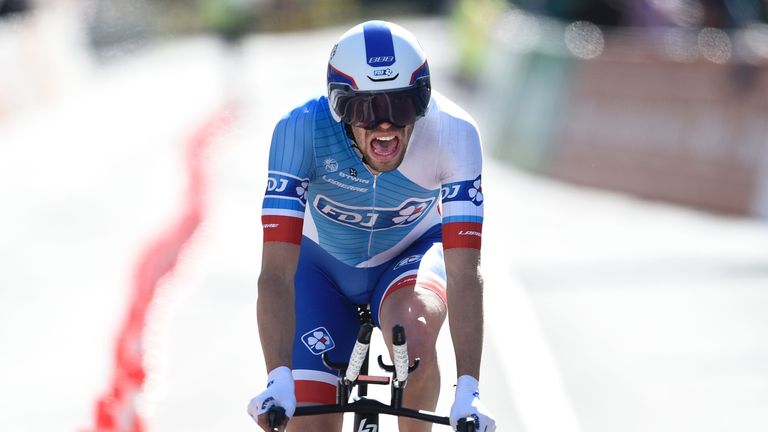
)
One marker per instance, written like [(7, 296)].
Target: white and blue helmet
[(378, 72)]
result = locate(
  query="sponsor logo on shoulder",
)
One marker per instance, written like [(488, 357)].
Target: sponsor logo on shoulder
[(286, 186), (469, 190)]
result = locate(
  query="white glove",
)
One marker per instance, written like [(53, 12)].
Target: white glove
[(467, 403), (279, 392)]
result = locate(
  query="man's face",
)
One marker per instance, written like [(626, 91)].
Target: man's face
[(383, 148)]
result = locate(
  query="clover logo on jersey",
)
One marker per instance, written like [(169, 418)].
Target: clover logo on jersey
[(469, 190), (318, 340), (411, 213), (407, 213), (301, 191), (476, 192), (286, 186)]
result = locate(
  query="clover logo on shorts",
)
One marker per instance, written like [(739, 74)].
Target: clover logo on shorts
[(318, 340)]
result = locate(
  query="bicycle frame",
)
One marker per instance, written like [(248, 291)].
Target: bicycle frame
[(355, 374)]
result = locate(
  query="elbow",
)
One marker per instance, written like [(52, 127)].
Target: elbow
[(271, 284)]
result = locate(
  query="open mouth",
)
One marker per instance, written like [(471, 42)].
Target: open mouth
[(385, 148)]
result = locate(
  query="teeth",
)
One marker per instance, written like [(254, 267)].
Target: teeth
[(386, 138)]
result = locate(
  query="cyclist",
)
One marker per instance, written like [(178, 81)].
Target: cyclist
[(373, 197)]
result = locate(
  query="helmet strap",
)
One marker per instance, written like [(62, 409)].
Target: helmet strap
[(356, 148), (348, 130)]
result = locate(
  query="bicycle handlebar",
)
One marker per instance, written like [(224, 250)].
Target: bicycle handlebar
[(468, 424), (400, 351), (351, 371), (275, 418), (359, 352), (369, 406)]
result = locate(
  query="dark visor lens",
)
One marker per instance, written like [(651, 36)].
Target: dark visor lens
[(368, 110)]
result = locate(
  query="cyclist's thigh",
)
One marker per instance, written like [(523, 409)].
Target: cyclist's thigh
[(325, 322), (420, 271)]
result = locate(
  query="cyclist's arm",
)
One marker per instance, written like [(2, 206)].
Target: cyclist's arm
[(276, 317), (290, 166), (460, 165), (465, 308)]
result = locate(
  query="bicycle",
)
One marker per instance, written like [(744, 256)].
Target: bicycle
[(355, 374)]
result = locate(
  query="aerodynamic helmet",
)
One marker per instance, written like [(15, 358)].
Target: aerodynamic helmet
[(378, 72)]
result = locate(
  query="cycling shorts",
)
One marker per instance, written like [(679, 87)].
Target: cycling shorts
[(327, 294)]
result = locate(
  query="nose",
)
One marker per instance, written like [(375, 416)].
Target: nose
[(385, 125)]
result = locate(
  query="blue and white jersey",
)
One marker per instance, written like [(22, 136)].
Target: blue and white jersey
[(319, 186)]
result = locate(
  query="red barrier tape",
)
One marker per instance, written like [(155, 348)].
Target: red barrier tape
[(115, 411)]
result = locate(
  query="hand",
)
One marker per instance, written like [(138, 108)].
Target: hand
[(279, 392), (467, 404)]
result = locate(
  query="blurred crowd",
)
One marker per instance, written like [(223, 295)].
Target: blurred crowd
[(272, 15), (704, 13), (660, 98), (116, 21), (9, 7)]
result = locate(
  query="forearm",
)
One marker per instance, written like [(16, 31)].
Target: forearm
[(465, 315), (276, 319)]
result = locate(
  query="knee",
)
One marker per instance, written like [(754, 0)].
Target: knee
[(421, 338), (422, 319)]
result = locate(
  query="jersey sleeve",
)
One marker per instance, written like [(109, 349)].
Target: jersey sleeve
[(291, 162), (461, 191)]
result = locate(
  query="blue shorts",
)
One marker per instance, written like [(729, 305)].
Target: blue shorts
[(327, 295)]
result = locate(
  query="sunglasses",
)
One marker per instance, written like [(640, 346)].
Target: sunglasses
[(370, 109)]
